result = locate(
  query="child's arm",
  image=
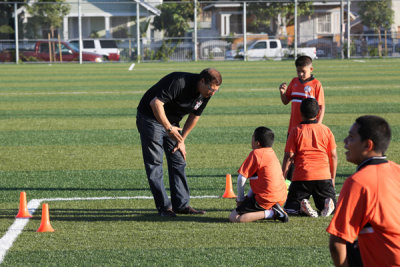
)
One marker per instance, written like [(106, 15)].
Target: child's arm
[(282, 91), (286, 162), (241, 181), (321, 113), (333, 164)]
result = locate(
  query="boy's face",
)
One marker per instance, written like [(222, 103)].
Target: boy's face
[(304, 72), (356, 149)]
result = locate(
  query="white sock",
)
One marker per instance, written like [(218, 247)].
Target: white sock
[(268, 214)]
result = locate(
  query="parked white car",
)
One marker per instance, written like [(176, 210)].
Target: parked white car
[(107, 48), (270, 48)]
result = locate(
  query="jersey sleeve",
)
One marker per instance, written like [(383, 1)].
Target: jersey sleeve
[(249, 166), (350, 214), (291, 142), (332, 142)]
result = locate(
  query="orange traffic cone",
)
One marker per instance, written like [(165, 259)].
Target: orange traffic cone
[(23, 209), (45, 225), (228, 188)]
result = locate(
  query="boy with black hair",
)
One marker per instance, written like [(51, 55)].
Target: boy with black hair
[(301, 87), (267, 186), (369, 200), (312, 148)]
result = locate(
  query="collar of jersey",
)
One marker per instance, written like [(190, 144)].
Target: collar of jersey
[(308, 80), (372, 161), (309, 121)]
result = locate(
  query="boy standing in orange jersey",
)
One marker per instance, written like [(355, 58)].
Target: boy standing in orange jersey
[(368, 205), (267, 186), (301, 87)]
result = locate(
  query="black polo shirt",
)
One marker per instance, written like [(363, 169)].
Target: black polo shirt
[(178, 91)]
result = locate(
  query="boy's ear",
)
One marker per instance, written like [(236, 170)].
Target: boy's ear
[(369, 145)]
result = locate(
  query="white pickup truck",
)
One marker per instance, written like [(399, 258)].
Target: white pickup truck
[(270, 48)]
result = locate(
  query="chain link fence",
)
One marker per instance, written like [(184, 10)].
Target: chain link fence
[(123, 31)]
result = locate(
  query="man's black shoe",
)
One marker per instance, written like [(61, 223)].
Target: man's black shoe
[(167, 213), (279, 213), (190, 210)]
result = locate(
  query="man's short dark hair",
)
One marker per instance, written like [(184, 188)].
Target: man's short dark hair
[(376, 129), (303, 61), (211, 76), (264, 136), (309, 108)]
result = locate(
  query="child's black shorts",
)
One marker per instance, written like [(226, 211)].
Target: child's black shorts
[(249, 205), (318, 189)]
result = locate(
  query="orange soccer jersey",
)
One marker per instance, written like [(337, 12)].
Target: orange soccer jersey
[(264, 170), (368, 207), (311, 143), (299, 90)]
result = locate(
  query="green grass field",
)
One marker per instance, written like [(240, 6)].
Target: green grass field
[(69, 131)]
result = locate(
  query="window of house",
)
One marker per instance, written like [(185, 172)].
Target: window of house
[(324, 23)]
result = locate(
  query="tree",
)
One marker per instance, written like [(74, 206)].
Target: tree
[(7, 28), (273, 17), (49, 14), (174, 18), (173, 22), (377, 15)]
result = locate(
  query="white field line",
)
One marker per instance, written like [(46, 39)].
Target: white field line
[(71, 93), (19, 224)]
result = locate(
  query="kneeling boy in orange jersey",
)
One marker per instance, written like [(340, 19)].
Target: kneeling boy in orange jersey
[(267, 186)]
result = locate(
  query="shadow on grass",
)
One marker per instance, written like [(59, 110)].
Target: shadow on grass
[(139, 215)]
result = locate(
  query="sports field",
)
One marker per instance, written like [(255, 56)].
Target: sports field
[(68, 138)]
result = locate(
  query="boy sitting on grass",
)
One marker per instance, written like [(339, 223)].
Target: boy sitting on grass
[(267, 186)]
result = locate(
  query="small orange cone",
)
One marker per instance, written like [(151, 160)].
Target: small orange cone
[(228, 188), (23, 209), (45, 225)]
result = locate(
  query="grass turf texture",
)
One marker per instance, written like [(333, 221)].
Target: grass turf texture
[(69, 131)]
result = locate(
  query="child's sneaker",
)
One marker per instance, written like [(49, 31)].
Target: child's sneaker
[(279, 213), (307, 209), (328, 208)]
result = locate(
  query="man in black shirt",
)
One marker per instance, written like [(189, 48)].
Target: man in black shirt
[(158, 115)]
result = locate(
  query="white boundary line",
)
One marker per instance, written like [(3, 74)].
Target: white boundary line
[(19, 224)]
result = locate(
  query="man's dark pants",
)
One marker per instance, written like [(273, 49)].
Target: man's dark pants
[(155, 141)]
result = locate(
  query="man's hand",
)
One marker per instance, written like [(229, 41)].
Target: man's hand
[(181, 147), (175, 134)]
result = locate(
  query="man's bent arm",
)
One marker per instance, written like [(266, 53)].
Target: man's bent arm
[(337, 247), (191, 121), (158, 109)]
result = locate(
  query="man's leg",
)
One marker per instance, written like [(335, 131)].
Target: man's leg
[(151, 136), (179, 188)]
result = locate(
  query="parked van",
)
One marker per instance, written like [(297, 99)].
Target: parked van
[(107, 48)]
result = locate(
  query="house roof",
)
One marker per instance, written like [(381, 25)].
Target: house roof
[(149, 7), (105, 7)]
